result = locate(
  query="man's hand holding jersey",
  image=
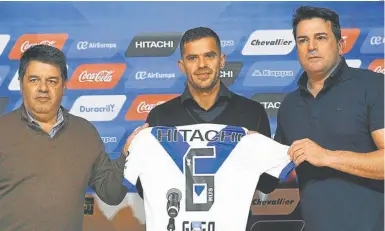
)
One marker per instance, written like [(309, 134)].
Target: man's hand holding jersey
[(308, 150), (131, 137)]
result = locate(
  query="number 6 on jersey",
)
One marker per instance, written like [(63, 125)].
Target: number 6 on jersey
[(199, 173)]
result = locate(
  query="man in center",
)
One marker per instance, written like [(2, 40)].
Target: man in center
[(206, 99)]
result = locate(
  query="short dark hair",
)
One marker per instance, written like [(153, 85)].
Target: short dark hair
[(198, 33), (309, 12), (45, 54)]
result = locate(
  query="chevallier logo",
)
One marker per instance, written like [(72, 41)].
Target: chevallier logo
[(27, 41), (143, 104)]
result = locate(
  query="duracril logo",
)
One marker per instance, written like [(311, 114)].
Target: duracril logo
[(350, 36), (269, 42), (278, 202), (98, 107), (96, 76), (28, 40), (153, 44), (272, 74), (4, 39), (374, 42), (377, 66), (143, 104), (270, 101)]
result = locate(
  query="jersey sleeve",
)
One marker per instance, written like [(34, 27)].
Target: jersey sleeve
[(134, 161), (271, 156)]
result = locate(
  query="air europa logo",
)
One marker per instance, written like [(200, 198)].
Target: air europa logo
[(96, 76), (143, 104), (28, 40), (377, 66), (350, 36)]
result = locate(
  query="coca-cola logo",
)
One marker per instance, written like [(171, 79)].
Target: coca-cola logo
[(27, 44), (101, 76), (379, 69), (144, 107)]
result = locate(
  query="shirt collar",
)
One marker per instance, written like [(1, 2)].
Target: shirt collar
[(25, 115), (336, 76), (223, 92)]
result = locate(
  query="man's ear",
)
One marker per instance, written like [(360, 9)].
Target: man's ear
[(341, 46), (223, 61), (181, 66)]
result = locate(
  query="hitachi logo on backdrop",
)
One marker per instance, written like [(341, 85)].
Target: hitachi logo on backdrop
[(226, 74), (144, 107), (107, 108), (101, 76), (140, 75), (277, 42), (154, 44), (269, 105)]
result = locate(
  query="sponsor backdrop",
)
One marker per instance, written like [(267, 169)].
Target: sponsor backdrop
[(122, 62)]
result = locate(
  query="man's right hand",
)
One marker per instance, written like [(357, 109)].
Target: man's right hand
[(132, 136)]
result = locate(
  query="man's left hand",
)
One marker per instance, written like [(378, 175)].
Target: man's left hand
[(308, 150)]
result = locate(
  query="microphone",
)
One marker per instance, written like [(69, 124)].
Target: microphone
[(173, 196)]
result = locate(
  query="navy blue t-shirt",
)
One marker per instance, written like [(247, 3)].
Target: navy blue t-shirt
[(341, 117)]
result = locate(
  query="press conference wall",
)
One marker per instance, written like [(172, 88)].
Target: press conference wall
[(122, 62)]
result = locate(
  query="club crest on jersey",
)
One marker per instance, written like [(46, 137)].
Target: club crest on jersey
[(198, 226)]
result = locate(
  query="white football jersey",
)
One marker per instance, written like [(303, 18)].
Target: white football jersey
[(202, 177)]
